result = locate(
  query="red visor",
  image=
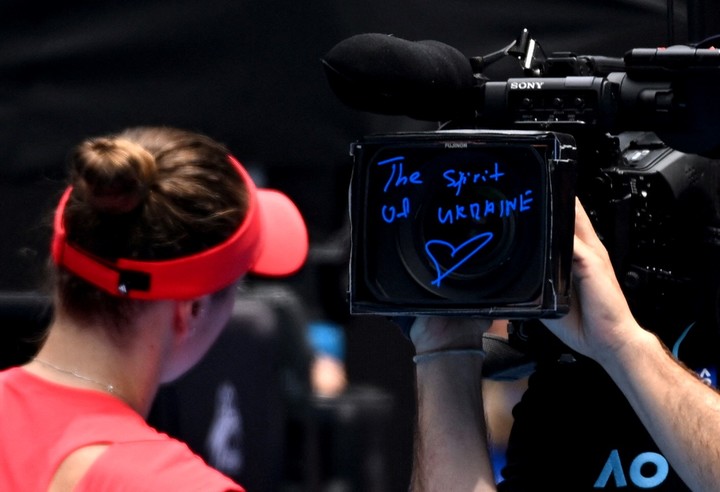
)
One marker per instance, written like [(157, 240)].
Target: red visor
[(271, 241)]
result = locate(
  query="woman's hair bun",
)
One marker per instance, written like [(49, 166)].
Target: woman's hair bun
[(114, 175)]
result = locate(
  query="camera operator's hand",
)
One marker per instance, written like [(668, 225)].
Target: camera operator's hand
[(431, 334), (600, 322)]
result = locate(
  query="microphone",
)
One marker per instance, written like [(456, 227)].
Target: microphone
[(379, 73)]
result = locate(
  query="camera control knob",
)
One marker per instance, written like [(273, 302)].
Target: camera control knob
[(633, 280)]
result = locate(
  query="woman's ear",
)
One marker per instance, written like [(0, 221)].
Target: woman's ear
[(189, 314), (182, 320), (197, 308)]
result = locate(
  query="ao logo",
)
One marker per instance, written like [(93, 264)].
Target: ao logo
[(613, 469)]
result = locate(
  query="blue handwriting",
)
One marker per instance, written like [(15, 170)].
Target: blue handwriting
[(461, 253), (397, 177), (390, 212), (478, 211), (456, 179)]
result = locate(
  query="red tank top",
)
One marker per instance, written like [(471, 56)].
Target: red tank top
[(41, 423)]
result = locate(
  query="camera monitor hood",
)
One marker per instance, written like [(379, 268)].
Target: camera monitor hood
[(467, 222)]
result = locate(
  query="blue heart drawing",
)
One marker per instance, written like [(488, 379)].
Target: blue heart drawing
[(464, 252)]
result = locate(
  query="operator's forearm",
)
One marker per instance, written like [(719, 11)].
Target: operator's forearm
[(451, 444), (679, 410)]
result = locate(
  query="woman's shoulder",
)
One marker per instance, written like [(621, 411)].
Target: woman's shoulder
[(158, 464)]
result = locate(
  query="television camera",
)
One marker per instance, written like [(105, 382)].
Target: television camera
[(476, 218)]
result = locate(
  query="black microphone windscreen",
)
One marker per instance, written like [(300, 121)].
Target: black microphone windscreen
[(379, 73)]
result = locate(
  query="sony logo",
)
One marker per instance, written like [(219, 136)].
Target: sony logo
[(526, 85)]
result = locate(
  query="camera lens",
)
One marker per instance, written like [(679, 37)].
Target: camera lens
[(451, 224), (465, 228), (447, 257)]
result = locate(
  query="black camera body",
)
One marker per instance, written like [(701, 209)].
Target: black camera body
[(634, 138), (657, 211), (462, 222)]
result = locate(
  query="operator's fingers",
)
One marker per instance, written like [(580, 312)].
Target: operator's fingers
[(455, 325), (583, 227), (589, 261), (448, 332), (585, 231)]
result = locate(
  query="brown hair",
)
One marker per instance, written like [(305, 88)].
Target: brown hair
[(146, 194)]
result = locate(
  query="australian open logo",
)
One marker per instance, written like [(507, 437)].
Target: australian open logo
[(646, 470)]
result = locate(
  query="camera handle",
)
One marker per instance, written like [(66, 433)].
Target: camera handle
[(528, 52)]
